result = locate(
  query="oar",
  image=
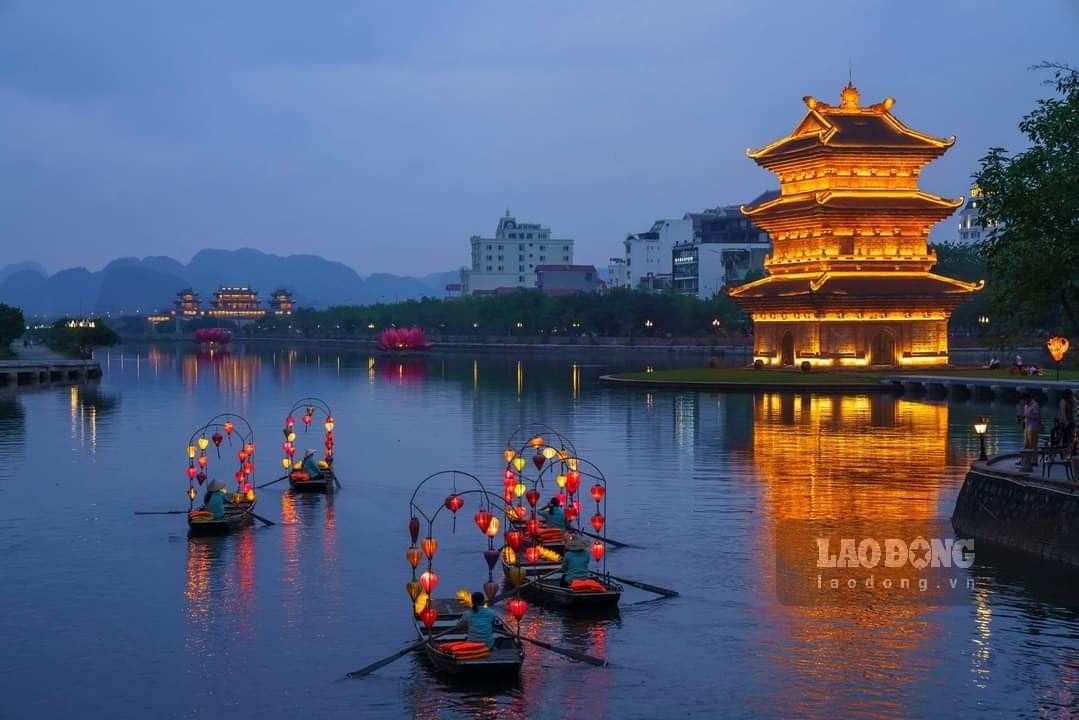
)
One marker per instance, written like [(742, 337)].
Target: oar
[(368, 669), (337, 482), (571, 654), (261, 519), (267, 484), (607, 540), (161, 512), (643, 586)]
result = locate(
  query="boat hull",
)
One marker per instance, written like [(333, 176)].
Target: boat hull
[(504, 662), (323, 484), (237, 516), (551, 594)]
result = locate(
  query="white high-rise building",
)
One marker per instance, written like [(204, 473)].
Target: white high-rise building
[(970, 229), (509, 259), (649, 253)]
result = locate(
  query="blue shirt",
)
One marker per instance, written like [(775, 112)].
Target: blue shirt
[(556, 516), (575, 565), (481, 626), (310, 466), (216, 504)]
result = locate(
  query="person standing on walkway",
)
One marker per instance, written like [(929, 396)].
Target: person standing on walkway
[(1032, 421)]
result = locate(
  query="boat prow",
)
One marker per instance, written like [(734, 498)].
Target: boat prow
[(237, 516)]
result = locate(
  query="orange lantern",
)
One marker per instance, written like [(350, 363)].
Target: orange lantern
[(413, 589), (536, 441), (483, 519), (202, 461), (229, 427), (508, 454), (1058, 347), (428, 581), (492, 527), (430, 547), (249, 448), (413, 555)]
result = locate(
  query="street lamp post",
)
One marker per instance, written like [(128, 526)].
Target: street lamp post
[(980, 426)]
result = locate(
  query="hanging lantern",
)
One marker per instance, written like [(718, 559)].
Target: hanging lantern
[(453, 503), (428, 581), (517, 608), (491, 556), (329, 424), (516, 576), (549, 452), (510, 482), (492, 527), (414, 528), (597, 522), (191, 493), (538, 460), (430, 547), (571, 463), (249, 495), (413, 589), (508, 475), (285, 463), (519, 463), (201, 477), (571, 513), (307, 419), (249, 448), (561, 499), (239, 475), (508, 454), (429, 616), (191, 472), (202, 461), (532, 496), (216, 437), (532, 526), (291, 437), (203, 443), (532, 554), (241, 456), (573, 481), (190, 452), (490, 589), (560, 480), (1058, 347), (514, 539), (229, 427), (290, 450), (597, 550), (413, 555), (598, 491), (536, 441), (290, 422), (519, 489), (507, 495), (483, 519), (249, 467), (420, 603)]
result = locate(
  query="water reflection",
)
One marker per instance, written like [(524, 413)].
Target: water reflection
[(235, 375), (220, 592), (12, 432)]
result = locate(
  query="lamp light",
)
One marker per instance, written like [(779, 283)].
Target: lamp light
[(980, 426)]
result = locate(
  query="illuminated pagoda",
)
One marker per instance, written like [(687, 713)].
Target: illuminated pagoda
[(187, 304), (281, 302), (848, 281), (236, 303)]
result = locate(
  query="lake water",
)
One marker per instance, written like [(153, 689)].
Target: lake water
[(106, 614)]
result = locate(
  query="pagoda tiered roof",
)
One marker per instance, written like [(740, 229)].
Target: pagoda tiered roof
[(861, 288), (918, 202)]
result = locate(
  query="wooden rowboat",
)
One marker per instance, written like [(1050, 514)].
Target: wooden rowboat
[(503, 663), (237, 515), (324, 483), (549, 592)]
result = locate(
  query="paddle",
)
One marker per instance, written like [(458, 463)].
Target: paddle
[(368, 669), (571, 654), (607, 540), (267, 484), (261, 519), (337, 482), (643, 586), (161, 512)]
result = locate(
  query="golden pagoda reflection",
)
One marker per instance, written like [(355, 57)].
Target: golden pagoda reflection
[(520, 378), (371, 370), (575, 381)]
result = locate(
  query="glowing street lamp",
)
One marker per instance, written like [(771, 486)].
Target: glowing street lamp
[(1058, 347), (649, 324), (980, 426)]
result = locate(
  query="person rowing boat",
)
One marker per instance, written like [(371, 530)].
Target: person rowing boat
[(554, 514)]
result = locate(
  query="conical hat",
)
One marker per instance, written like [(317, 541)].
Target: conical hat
[(216, 485), (578, 542)]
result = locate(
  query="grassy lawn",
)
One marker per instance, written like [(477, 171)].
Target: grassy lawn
[(819, 377)]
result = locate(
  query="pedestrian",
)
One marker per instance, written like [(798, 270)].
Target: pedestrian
[(1066, 416), (1031, 419)]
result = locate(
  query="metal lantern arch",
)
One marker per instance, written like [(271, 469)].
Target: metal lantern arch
[(310, 411), (235, 427), (580, 472)]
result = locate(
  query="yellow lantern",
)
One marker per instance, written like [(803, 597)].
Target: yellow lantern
[(203, 443), (519, 489), (191, 493), (285, 463), (492, 528), (571, 463), (560, 480), (516, 576), (508, 454), (329, 424), (291, 437), (518, 463), (413, 589), (549, 452), (250, 496), (191, 452), (420, 603), (1058, 347)]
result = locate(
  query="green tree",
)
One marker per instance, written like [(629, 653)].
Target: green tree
[(79, 338), (12, 326), (1031, 207)]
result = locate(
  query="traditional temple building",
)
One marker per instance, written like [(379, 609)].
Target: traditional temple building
[(849, 279), (237, 303), (187, 304), (281, 302)]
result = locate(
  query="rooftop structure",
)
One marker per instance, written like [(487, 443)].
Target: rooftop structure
[(187, 304), (281, 302), (509, 259), (238, 303)]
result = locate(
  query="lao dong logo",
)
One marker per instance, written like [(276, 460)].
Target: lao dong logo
[(919, 553)]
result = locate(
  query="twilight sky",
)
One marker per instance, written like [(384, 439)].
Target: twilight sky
[(384, 134)]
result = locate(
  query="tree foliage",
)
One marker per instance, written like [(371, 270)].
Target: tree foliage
[(79, 340), (12, 325), (1031, 210)]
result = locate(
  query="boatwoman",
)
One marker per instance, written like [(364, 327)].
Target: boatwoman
[(480, 622), (575, 560), (215, 499), (310, 465), (554, 514)]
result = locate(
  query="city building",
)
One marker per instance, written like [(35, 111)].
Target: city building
[(849, 279), (281, 302), (187, 304), (567, 279), (509, 259), (970, 228), (726, 247), (453, 290), (617, 273), (237, 303), (649, 252)]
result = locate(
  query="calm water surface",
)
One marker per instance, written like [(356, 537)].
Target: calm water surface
[(105, 614)]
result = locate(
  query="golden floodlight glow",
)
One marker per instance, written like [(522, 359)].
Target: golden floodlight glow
[(1058, 347)]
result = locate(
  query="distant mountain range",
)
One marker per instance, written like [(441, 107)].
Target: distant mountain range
[(130, 285)]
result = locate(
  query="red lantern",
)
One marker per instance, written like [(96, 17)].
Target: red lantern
[(241, 456), (561, 499), (216, 437), (532, 496), (491, 556), (202, 461), (428, 616), (290, 421), (597, 550), (414, 529), (517, 608), (191, 472), (413, 555), (428, 581), (514, 539), (508, 495), (571, 513), (453, 503), (598, 491), (490, 589), (538, 459), (532, 554), (430, 547), (483, 519), (508, 475), (201, 477), (508, 483), (597, 522), (249, 467), (573, 481), (229, 427), (249, 448), (532, 526), (239, 475), (306, 419)]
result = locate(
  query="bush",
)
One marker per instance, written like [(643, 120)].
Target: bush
[(806, 366), (758, 364)]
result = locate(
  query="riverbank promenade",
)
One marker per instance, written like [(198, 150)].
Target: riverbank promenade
[(38, 365)]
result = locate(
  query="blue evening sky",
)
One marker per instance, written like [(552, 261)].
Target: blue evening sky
[(384, 134)]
